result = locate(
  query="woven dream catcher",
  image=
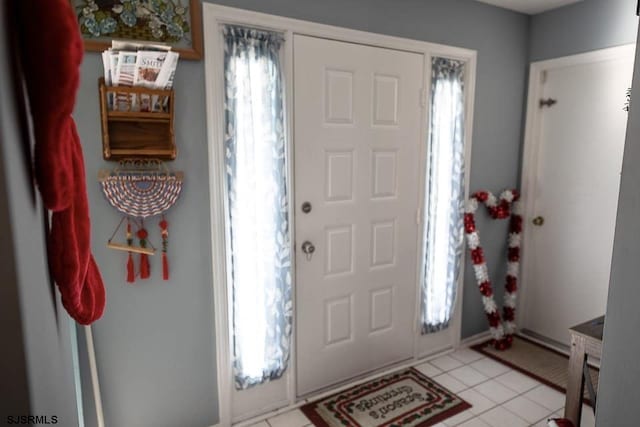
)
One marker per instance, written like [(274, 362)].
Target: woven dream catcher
[(141, 189)]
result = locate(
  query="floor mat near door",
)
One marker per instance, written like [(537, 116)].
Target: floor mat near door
[(405, 398), (541, 363)]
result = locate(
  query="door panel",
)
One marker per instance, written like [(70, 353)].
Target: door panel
[(357, 161), (577, 181)]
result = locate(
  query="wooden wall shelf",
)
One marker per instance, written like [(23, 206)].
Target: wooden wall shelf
[(128, 132)]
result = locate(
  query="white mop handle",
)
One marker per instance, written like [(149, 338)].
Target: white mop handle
[(97, 397)]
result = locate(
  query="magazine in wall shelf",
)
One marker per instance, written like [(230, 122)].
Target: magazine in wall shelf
[(136, 122)]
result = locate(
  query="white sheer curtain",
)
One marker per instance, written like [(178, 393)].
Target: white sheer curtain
[(259, 243), (443, 240)]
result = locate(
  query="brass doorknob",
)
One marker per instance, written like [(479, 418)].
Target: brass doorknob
[(538, 221)]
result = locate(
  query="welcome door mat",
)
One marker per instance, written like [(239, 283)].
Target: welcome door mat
[(540, 363), (405, 398)]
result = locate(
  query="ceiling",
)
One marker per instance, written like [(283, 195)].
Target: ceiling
[(530, 6)]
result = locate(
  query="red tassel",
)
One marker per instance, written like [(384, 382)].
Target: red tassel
[(164, 226), (165, 267), (131, 275), (144, 258), (144, 266)]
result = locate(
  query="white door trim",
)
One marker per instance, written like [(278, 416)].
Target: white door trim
[(532, 141), (216, 15), (470, 87)]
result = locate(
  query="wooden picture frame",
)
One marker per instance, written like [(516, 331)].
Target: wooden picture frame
[(177, 23)]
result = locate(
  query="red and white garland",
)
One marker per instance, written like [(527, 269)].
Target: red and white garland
[(506, 206)]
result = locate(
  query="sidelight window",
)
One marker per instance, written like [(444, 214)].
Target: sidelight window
[(444, 201), (259, 245)]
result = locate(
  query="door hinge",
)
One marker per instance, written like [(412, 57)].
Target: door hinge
[(543, 76), (418, 217), (423, 98), (547, 102)]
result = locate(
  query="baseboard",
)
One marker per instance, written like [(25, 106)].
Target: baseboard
[(475, 339), (594, 362), (545, 342)]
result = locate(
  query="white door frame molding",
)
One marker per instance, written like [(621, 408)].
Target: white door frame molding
[(537, 72), (214, 16)]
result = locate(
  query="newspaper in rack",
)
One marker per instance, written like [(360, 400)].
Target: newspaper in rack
[(124, 77), (147, 69), (134, 64), (106, 63), (113, 65), (165, 80), (107, 67)]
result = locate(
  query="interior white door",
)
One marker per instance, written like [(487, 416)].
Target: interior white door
[(357, 134), (575, 191)]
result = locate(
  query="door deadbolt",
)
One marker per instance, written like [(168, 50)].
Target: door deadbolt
[(306, 207), (538, 221)]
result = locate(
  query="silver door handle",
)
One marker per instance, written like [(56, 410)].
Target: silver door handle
[(308, 248)]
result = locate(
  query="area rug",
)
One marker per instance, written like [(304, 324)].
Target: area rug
[(405, 398), (540, 363)]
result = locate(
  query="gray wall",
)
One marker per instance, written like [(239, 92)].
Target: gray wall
[(36, 372), (581, 27), (619, 373), (155, 344)]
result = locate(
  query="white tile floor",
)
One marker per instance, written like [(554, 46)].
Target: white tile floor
[(500, 396)]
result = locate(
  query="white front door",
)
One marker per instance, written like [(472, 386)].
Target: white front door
[(574, 189), (357, 138)]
